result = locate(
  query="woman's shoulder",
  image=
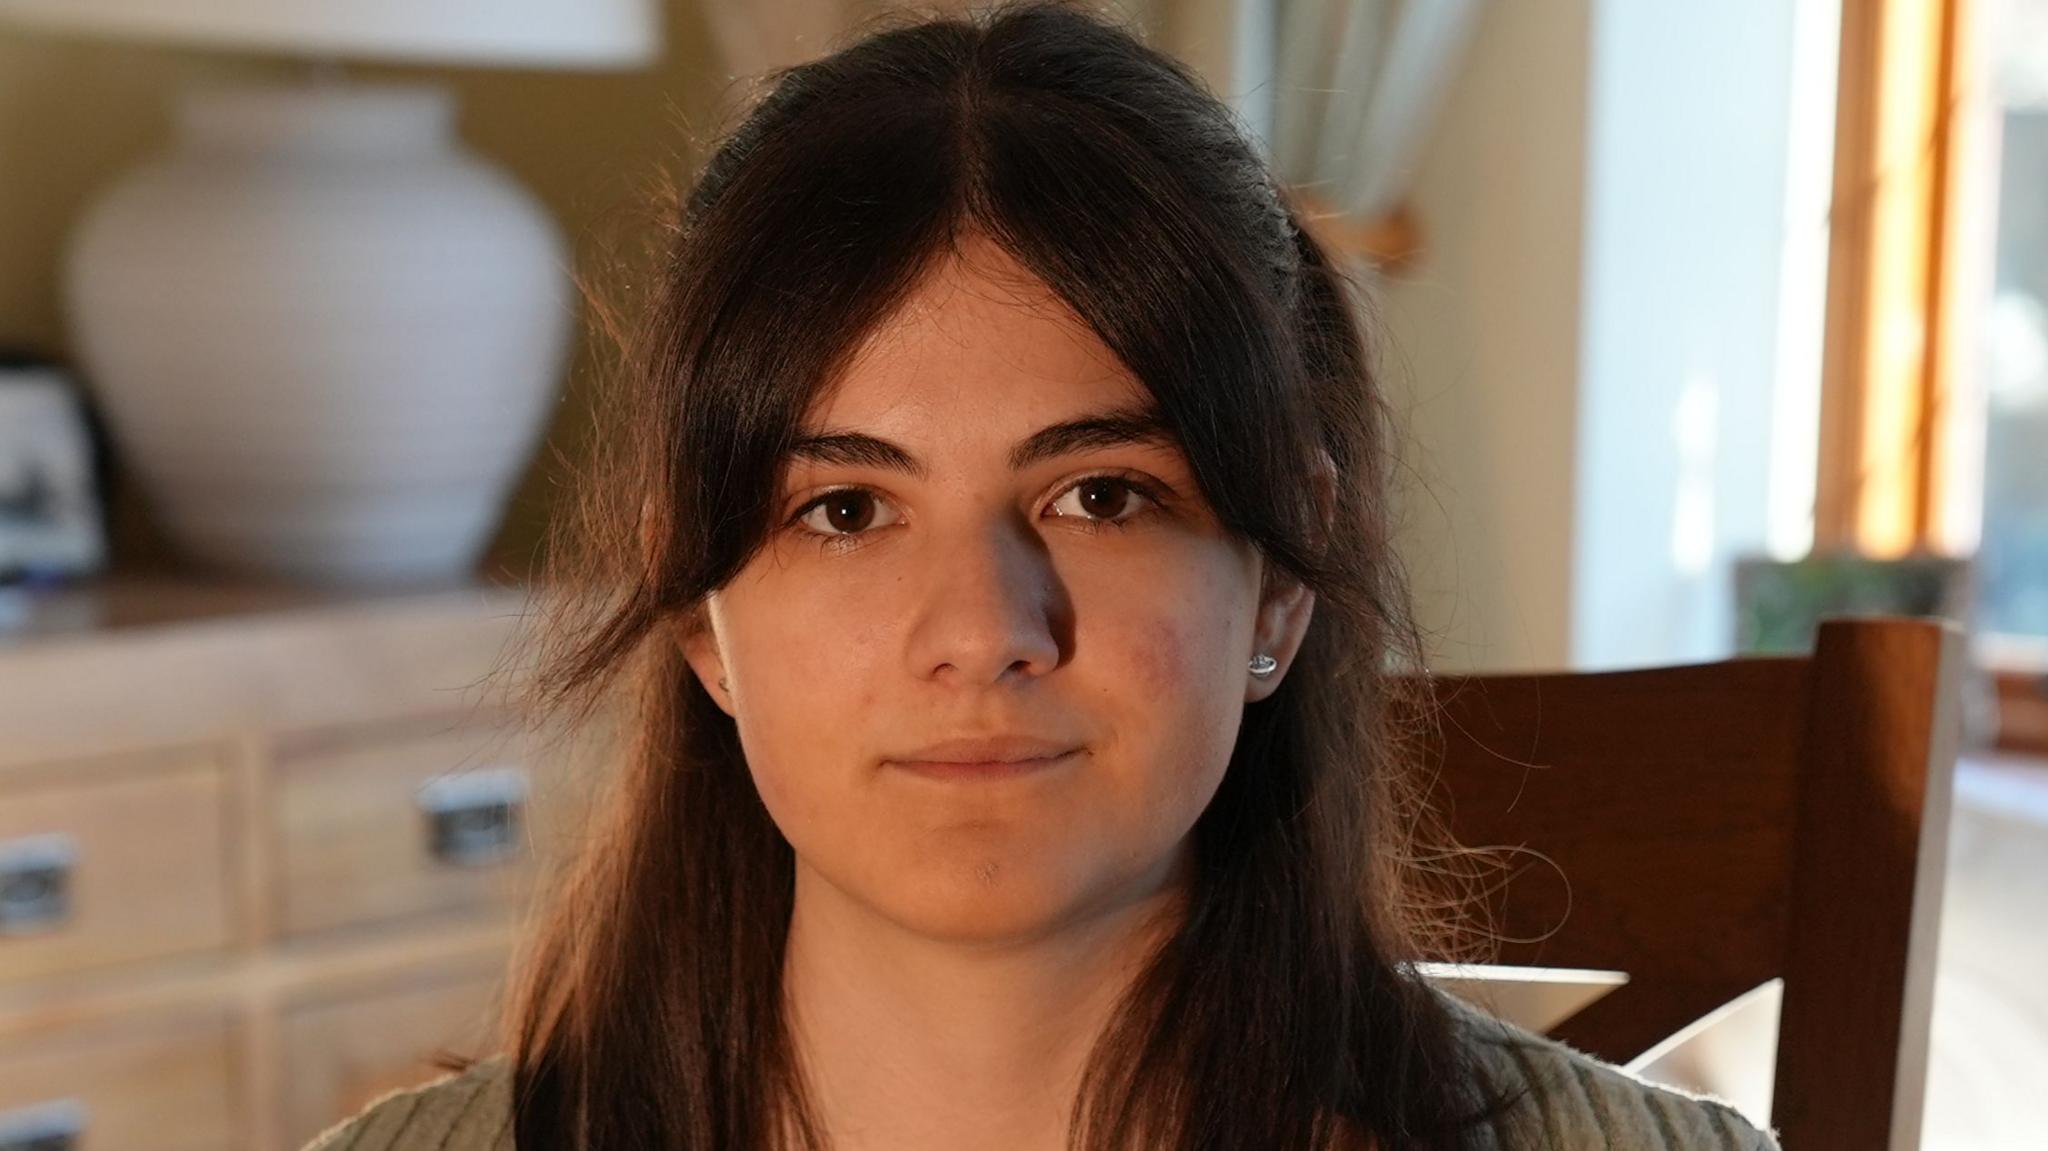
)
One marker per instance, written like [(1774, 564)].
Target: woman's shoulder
[(467, 1111), (1575, 1100)]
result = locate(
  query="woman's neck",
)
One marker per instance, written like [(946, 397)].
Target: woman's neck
[(910, 1043)]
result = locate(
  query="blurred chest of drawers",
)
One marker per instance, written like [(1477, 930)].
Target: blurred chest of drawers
[(263, 857)]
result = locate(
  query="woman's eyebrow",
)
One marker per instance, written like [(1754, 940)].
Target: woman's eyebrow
[(1111, 428)]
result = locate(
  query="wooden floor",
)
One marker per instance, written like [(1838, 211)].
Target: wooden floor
[(1988, 1079)]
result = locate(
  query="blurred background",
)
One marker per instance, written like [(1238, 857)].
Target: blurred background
[(1703, 320)]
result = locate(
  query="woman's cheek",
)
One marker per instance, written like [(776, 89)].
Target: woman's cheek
[(1180, 634), (798, 780), (786, 721), (1159, 655)]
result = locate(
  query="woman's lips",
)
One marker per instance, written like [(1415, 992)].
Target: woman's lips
[(1011, 769)]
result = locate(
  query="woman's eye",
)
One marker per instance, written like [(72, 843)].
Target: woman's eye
[(847, 511), (1104, 498)]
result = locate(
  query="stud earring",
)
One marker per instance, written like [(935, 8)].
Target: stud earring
[(1262, 665)]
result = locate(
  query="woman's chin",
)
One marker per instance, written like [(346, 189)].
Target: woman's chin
[(984, 903)]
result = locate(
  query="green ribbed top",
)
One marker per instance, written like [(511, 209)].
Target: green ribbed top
[(1575, 1102)]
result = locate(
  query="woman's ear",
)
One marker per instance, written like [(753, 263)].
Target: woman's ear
[(1284, 613), (1285, 603), (699, 641)]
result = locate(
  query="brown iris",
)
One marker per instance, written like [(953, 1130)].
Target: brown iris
[(849, 511)]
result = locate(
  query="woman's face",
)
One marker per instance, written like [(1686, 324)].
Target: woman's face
[(946, 568)]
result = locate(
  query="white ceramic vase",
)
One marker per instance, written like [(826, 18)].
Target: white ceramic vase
[(325, 338)]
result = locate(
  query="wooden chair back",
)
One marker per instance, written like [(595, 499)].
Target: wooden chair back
[(1709, 827)]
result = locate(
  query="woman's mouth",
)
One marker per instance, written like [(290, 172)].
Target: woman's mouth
[(984, 769)]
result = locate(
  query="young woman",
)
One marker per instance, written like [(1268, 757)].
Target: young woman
[(996, 540)]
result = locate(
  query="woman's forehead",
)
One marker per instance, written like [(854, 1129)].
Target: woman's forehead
[(978, 339)]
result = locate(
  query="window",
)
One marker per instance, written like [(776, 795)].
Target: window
[(2012, 330)]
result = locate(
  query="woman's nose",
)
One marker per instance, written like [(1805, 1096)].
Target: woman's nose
[(991, 605)]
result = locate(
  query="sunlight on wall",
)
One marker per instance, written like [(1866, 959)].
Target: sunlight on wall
[(1803, 278), (1695, 434)]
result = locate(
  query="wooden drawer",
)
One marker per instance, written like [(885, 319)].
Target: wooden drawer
[(112, 861), (374, 827), (165, 1082), (344, 1051)]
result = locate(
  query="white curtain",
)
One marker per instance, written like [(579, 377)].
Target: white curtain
[(1355, 84)]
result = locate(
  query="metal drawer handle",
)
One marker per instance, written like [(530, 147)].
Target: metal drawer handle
[(54, 1126), (475, 818), (35, 884)]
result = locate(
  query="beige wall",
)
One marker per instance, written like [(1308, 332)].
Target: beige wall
[(1481, 337), (1482, 343)]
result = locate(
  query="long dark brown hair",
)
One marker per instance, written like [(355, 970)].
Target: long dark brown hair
[(1279, 1013)]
